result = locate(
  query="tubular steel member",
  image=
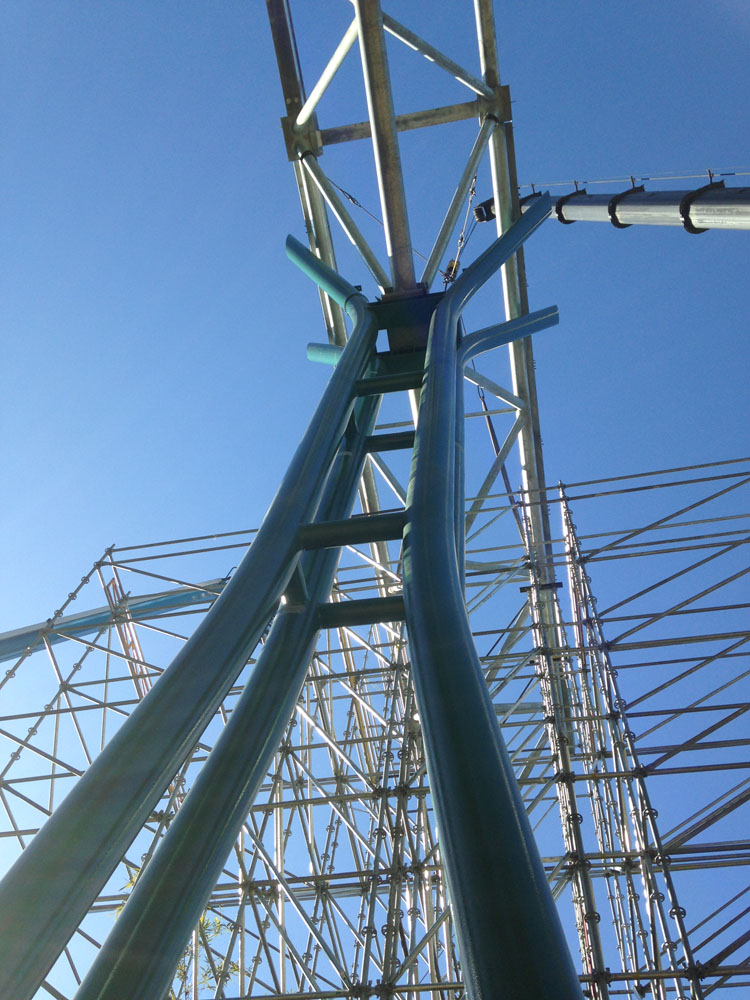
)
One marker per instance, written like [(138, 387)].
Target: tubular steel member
[(710, 207), (635, 796), (471, 346), (165, 906), (507, 210), (311, 200), (13, 644), (446, 229), (300, 129), (347, 223), (50, 888), (509, 935), (385, 142), (334, 64)]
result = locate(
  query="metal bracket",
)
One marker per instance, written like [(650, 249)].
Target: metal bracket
[(529, 198), (688, 200), (498, 106), (485, 210), (299, 141), (296, 593), (615, 200), (406, 317), (561, 202)]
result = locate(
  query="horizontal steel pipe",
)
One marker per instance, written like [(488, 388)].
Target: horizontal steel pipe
[(46, 894), (391, 441), (398, 382), (324, 354), (353, 530), (404, 123), (367, 611), (719, 208)]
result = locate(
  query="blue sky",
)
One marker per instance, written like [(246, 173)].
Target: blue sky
[(155, 380)]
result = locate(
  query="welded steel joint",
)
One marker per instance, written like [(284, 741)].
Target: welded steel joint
[(301, 139), (498, 106)]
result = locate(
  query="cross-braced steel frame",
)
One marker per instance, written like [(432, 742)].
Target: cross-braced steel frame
[(316, 799), (647, 769)]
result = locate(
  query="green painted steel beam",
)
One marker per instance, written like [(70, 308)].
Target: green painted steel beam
[(352, 531), (141, 607), (49, 889), (165, 905), (393, 441), (505, 333), (510, 939), (367, 611), (398, 382)]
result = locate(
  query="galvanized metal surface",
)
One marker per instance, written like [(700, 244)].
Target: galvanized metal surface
[(165, 906), (721, 208), (385, 144)]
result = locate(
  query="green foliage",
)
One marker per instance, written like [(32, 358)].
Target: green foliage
[(209, 928)]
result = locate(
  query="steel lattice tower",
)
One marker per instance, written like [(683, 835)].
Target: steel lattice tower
[(298, 769)]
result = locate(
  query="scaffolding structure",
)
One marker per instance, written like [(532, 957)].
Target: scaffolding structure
[(334, 856), (336, 872)]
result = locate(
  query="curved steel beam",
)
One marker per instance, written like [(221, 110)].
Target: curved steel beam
[(48, 891), (165, 906), (509, 935)]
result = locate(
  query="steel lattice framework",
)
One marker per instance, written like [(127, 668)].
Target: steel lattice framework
[(292, 800)]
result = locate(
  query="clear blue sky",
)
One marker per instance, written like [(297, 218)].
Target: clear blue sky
[(154, 372)]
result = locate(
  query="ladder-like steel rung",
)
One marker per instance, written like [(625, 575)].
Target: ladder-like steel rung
[(353, 530), (388, 383), (369, 611), (394, 441)]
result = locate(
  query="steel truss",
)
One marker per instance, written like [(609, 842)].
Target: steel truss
[(313, 798)]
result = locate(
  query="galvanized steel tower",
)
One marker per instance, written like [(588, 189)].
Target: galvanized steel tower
[(309, 779)]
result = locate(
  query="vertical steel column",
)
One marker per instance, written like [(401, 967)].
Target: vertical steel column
[(635, 800), (507, 210), (313, 205), (536, 519), (385, 142)]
